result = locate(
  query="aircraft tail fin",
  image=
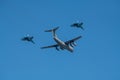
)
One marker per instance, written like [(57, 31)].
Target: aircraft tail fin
[(52, 30)]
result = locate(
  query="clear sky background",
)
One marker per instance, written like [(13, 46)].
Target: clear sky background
[(96, 56)]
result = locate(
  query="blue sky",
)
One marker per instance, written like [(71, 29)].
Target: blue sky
[(96, 56)]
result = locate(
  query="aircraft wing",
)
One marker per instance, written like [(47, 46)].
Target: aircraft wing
[(67, 42), (51, 46), (72, 40)]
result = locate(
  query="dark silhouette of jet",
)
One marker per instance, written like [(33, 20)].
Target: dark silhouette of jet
[(28, 38), (78, 25)]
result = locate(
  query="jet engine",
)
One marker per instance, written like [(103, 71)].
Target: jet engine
[(57, 48), (61, 48), (72, 44)]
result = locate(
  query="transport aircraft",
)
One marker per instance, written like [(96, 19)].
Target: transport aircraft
[(68, 45)]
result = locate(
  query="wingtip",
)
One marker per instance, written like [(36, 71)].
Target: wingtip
[(42, 47), (80, 36)]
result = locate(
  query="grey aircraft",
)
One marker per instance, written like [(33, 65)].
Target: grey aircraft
[(78, 25), (68, 45), (28, 38)]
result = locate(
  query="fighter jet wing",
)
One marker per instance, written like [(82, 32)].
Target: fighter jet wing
[(75, 24), (25, 38), (72, 40), (32, 41), (51, 46)]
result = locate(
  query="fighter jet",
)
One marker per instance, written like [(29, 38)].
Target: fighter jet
[(78, 25), (28, 38), (68, 45)]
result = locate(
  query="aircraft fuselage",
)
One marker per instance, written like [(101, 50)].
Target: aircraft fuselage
[(63, 45)]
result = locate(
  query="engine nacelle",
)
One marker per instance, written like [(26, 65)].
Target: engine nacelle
[(71, 45), (61, 48), (74, 43), (57, 48)]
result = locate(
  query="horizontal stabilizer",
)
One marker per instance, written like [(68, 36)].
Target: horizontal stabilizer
[(54, 29)]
